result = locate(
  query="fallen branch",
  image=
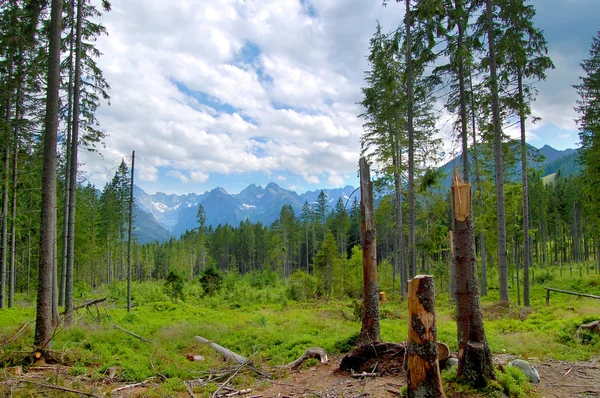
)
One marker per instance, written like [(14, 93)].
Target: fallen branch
[(363, 374), (234, 393), (15, 336), (131, 333), (228, 354), (228, 380), (87, 394), (189, 388), (311, 352), (85, 305), (131, 385)]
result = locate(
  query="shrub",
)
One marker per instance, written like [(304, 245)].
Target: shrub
[(211, 280), (302, 286), (174, 286)]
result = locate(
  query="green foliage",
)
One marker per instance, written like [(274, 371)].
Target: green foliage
[(512, 382), (302, 286), (211, 280), (174, 286)]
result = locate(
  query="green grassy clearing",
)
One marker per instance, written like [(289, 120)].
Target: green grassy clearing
[(263, 323)]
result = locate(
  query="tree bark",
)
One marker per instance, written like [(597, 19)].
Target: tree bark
[(498, 161), (43, 324), (370, 311), (423, 368)]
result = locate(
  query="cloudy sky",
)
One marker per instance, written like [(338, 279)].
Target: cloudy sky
[(231, 92)]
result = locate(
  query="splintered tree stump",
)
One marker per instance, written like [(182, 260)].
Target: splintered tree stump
[(423, 368), (369, 332)]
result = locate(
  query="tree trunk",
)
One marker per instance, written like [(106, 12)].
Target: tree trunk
[(412, 259), (64, 261), (43, 324), (423, 369), (498, 161), (525, 183), (399, 232), (73, 166), (5, 188), (370, 311), (129, 234), (479, 199), (475, 360)]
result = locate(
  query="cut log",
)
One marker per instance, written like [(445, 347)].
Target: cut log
[(228, 354), (311, 352), (423, 369)]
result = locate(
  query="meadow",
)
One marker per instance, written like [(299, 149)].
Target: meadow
[(262, 318)]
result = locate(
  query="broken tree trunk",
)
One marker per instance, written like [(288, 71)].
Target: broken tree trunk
[(474, 358), (229, 355), (369, 332), (311, 352), (423, 369)]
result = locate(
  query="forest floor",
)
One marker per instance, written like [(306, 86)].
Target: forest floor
[(103, 355), (560, 379)]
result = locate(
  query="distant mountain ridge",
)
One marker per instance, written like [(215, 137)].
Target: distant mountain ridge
[(161, 216), (552, 159), (174, 214)]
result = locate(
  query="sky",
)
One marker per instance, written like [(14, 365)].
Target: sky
[(225, 93)]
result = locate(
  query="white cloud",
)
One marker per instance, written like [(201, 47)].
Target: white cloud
[(220, 86), (335, 180), (311, 179)]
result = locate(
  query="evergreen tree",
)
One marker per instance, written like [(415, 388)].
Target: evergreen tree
[(588, 106), (43, 324)]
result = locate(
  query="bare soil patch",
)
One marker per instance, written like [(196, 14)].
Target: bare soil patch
[(559, 379)]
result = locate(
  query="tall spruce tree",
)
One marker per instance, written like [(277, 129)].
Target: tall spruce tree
[(588, 107), (43, 323), (523, 47)]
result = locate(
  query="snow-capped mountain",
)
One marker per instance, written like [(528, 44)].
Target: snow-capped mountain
[(178, 213)]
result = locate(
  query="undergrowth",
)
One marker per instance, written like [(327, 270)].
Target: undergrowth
[(272, 323)]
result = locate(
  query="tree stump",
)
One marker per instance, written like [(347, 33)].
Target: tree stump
[(423, 368)]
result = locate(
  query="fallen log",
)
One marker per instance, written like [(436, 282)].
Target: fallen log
[(228, 354), (311, 352)]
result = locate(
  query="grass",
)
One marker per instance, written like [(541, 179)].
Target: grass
[(263, 324)]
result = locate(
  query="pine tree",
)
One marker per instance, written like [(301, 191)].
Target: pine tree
[(588, 106)]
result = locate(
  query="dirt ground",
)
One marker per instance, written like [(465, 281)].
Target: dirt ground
[(559, 379)]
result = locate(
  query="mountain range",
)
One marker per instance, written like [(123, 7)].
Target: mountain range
[(159, 216)]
